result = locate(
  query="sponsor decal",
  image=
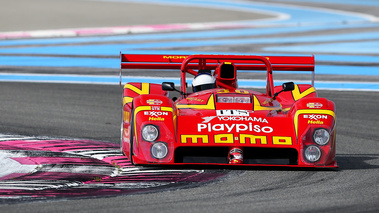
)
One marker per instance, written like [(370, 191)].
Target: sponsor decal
[(194, 138), (240, 91), (207, 119), (154, 102), (314, 105), (174, 57), (209, 105), (230, 138), (232, 112), (233, 128), (195, 99), (155, 113), (156, 119), (234, 118), (315, 118), (253, 119), (309, 111), (234, 115), (157, 108), (315, 122)]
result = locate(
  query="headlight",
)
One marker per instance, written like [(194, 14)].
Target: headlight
[(225, 99), (241, 99), (159, 150), (231, 99), (150, 133), (312, 153), (321, 136)]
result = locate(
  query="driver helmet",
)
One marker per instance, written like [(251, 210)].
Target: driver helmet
[(203, 80)]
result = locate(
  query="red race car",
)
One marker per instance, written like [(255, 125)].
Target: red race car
[(218, 123)]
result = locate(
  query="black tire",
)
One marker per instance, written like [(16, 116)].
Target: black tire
[(131, 137), (122, 132)]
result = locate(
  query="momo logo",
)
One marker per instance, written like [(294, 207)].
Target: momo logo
[(174, 57), (230, 138), (315, 117), (232, 112), (155, 113)]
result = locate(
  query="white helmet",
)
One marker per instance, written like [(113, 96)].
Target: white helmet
[(204, 80)]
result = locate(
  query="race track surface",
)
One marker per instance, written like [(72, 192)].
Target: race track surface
[(60, 100)]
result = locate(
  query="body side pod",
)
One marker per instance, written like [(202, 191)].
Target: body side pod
[(314, 122), (131, 91), (153, 129), (287, 99)]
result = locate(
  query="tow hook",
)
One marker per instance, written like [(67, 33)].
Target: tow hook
[(235, 156)]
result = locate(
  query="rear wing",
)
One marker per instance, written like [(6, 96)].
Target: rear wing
[(278, 63), (197, 62)]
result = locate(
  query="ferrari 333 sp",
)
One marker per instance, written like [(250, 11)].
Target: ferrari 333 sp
[(218, 123)]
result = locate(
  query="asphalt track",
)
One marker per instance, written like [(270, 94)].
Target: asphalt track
[(93, 112)]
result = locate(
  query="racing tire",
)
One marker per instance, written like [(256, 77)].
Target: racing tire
[(131, 137), (122, 131)]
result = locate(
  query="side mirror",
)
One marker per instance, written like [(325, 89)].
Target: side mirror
[(288, 86), (168, 86)]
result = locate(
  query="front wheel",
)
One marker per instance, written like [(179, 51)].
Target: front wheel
[(131, 138), (122, 132)]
